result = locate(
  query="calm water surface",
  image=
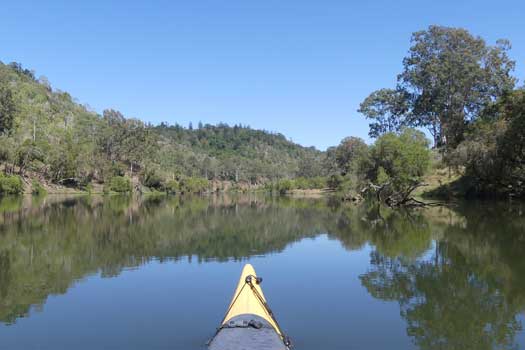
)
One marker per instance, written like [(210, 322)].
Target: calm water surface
[(118, 273)]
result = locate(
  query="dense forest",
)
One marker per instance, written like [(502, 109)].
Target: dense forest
[(45, 135), (454, 87)]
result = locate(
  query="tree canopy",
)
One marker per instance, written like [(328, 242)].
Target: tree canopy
[(448, 77)]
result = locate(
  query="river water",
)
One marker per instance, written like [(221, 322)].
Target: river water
[(158, 273)]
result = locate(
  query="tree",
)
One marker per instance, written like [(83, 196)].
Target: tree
[(388, 109), (448, 77), (494, 151), (7, 109), (7, 153), (396, 165), (403, 157), (451, 76), (350, 153), (113, 117), (309, 165), (133, 146)]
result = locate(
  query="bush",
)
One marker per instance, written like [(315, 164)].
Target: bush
[(301, 183), (120, 184), (285, 186), (317, 182), (400, 159), (334, 181), (152, 179), (193, 185), (494, 149), (172, 187), (11, 184), (37, 188)]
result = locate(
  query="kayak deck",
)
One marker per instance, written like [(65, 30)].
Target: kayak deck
[(243, 337), (248, 323)]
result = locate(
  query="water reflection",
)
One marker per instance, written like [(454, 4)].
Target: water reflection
[(468, 292), (457, 273)]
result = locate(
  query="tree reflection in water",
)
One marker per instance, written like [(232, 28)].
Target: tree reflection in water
[(457, 274)]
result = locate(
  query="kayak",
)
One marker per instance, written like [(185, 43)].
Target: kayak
[(249, 322)]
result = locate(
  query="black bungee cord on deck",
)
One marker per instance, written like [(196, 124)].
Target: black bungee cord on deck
[(258, 280)]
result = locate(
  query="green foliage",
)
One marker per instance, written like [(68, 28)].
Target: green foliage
[(284, 186), (448, 77), (387, 109), (335, 181), (350, 154), (7, 109), (494, 150), (37, 188), (10, 184), (152, 179), (235, 153), (120, 184), (401, 159), (172, 187), (301, 183), (193, 185), (63, 141), (382, 177)]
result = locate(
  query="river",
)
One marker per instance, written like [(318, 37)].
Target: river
[(159, 272)]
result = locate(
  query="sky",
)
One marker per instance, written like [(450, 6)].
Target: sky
[(298, 67)]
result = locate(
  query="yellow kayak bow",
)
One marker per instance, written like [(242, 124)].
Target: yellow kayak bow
[(249, 321)]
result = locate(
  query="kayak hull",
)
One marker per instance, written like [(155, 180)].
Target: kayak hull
[(248, 323)]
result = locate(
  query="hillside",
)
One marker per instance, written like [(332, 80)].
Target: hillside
[(46, 134)]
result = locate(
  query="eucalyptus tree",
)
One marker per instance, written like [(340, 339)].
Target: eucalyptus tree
[(448, 77), (7, 109)]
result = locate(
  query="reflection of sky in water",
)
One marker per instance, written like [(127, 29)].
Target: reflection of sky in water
[(520, 337), (429, 254), (167, 279), (312, 286)]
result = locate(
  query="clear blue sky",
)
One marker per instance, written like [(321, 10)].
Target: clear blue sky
[(293, 66)]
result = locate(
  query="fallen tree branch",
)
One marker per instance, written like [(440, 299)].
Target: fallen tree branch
[(394, 198)]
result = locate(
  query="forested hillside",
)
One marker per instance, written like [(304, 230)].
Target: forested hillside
[(46, 135)]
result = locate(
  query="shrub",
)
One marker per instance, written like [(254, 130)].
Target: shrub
[(317, 182), (334, 181), (172, 186), (120, 184), (37, 188), (285, 186), (11, 184), (152, 179), (401, 159), (193, 185)]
